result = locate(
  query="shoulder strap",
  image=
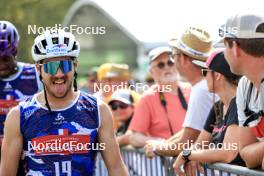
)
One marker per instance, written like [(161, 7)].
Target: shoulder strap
[(182, 99), (164, 104)]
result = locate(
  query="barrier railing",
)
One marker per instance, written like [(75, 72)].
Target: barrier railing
[(139, 165)]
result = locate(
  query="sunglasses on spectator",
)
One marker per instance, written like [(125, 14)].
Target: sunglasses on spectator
[(204, 71), (115, 106), (161, 65), (52, 67)]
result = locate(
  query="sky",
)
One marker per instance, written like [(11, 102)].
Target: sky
[(158, 21)]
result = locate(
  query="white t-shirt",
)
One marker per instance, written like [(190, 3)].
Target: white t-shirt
[(255, 104), (199, 106)]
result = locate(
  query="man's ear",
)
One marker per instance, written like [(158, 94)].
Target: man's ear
[(236, 49), (150, 70), (184, 59), (218, 76), (76, 63), (38, 68)]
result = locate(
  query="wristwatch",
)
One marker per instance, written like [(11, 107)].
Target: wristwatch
[(186, 154)]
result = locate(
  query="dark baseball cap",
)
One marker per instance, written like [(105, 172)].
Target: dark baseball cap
[(217, 62)]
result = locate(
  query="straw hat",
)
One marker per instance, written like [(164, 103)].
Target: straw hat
[(194, 42)]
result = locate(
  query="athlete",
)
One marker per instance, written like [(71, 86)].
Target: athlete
[(17, 80), (59, 129)]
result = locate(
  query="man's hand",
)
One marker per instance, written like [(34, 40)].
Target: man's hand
[(191, 167), (178, 164), (152, 145)]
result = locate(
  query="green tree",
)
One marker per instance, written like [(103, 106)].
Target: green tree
[(25, 13)]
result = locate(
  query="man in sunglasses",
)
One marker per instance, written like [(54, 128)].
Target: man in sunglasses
[(18, 80), (161, 111), (243, 36), (59, 129)]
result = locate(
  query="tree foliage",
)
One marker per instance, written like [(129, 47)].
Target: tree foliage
[(41, 13)]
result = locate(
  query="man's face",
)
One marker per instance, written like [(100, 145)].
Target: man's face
[(59, 80), (7, 66), (163, 69), (231, 58), (177, 56)]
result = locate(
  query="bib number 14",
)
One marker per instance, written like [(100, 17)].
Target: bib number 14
[(62, 168)]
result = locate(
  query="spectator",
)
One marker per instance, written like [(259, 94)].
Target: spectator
[(122, 105), (91, 84), (244, 40), (194, 44), (161, 110), (221, 127), (110, 76), (18, 80)]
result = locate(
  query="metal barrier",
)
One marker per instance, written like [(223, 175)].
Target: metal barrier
[(139, 165)]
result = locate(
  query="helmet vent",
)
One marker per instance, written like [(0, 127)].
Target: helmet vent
[(74, 47), (37, 50), (44, 43), (55, 40), (4, 27), (66, 41)]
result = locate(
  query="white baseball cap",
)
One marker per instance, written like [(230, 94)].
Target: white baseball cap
[(156, 52), (122, 95), (248, 24)]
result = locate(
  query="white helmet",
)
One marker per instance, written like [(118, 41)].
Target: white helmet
[(55, 43)]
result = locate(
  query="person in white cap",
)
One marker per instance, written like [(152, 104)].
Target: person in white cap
[(122, 105), (161, 110), (58, 128), (244, 40), (193, 44)]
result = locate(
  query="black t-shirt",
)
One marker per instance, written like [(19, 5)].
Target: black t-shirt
[(218, 129)]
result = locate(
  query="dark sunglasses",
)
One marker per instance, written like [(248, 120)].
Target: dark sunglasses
[(52, 67), (204, 72), (161, 65), (115, 106)]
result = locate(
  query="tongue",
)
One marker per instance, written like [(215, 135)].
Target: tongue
[(60, 88)]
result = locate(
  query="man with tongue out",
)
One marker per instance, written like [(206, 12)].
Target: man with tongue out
[(59, 129)]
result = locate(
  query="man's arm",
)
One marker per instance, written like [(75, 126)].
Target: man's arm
[(250, 149), (195, 118), (138, 139), (188, 134), (111, 154), (12, 144), (174, 145), (262, 164), (124, 139)]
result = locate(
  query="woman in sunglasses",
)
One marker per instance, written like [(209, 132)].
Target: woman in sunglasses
[(218, 142), (122, 105)]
